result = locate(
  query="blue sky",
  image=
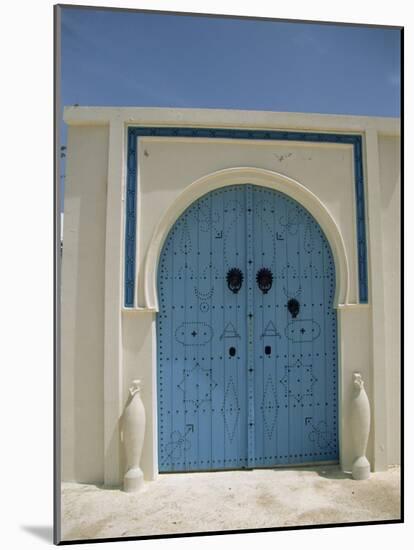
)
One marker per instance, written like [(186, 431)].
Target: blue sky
[(142, 59)]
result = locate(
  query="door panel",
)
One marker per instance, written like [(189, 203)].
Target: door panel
[(244, 380), (295, 361), (202, 336)]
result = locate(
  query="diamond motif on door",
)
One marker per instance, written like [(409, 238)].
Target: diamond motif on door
[(269, 407), (231, 409)]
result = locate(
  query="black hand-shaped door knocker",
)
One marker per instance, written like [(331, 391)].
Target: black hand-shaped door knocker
[(234, 279), (293, 307), (264, 279)]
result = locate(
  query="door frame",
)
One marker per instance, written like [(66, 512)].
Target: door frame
[(296, 191)]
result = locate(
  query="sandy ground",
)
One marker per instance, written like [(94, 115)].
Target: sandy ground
[(249, 499)]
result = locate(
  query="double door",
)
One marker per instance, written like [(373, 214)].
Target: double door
[(247, 364)]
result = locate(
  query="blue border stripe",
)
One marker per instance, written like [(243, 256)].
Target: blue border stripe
[(360, 222), (135, 132), (130, 219)]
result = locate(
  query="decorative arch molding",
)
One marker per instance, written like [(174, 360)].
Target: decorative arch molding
[(255, 176)]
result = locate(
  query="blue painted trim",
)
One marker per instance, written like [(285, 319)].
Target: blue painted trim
[(131, 195), (130, 219), (360, 222)]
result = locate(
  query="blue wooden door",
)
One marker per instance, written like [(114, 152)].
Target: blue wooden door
[(246, 335)]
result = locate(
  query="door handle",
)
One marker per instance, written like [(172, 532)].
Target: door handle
[(234, 279), (264, 278)]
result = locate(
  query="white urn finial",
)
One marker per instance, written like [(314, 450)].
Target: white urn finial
[(133, 437), (135, 387), (360, 424)]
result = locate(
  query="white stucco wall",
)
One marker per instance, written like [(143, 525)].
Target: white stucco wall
[(105, 346), (389, 148), (167, 166), (82, 305)]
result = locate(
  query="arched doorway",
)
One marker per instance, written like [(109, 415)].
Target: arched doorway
[(246, 332)]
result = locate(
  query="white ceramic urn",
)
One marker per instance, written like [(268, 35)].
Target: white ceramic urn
[(360, 424), (133, 438)]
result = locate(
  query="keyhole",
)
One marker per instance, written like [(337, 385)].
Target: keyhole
[(268, 350), (293, 307), (232, 351)]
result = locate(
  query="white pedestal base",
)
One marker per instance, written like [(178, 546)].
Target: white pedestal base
[(133, 480), (361, 468)]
